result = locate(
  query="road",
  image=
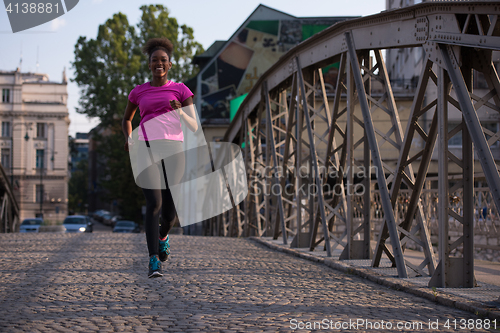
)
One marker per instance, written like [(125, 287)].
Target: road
[(98, 283), (99, 227)]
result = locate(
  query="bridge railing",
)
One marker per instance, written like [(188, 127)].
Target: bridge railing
[(9, 209), (284, 125), (486, 216)]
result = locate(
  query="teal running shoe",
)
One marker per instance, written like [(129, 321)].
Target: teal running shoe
[(164, 250), (154, 267)]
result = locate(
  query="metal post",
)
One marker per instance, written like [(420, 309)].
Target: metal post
[(12, 149), (468, 194), (367, 202), (404, 172), (367, 228), (41, 186), (350, 158), (270, 143), (12, 158), (246, 205), (337, 206), (473, 124), (314, 160), (299, 116), (468, 209), (384, 193), (442, 110)]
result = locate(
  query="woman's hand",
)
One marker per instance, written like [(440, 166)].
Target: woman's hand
[(188, 114), (175, 104), (128, 143), (127, 123)]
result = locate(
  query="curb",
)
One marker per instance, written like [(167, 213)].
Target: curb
[(440, 297)]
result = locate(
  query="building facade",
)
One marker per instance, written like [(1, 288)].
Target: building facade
[(34, 142), (229, 69)]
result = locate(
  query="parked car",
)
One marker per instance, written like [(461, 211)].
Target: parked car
[(31, 225), (105, 217), (126, 226), (98, 215), (113, 219), (78, 223)]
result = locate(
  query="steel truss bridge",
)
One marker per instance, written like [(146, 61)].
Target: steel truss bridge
[(287, 125), (9, 210)]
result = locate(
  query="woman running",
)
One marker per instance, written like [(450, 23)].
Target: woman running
[(160, 102)]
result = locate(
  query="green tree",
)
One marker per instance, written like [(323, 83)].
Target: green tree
[(117, 177), (157, 22), (107, 68), (77, 187)]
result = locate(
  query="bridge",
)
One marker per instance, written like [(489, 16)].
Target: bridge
[(9, 209), (294, 138), (97, 282), (327, 171)]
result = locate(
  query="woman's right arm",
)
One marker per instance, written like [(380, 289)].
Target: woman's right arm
[(127, 122)]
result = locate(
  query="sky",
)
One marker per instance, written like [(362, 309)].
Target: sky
[(53, 42)]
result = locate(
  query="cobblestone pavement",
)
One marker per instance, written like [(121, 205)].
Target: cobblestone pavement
[(98, 282)]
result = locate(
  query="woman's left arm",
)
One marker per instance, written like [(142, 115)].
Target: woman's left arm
[(186, 112)]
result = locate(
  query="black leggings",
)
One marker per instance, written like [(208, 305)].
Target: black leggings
[(160, 199), (156, 200)]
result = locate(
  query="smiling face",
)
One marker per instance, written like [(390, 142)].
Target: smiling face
[(159, 63)]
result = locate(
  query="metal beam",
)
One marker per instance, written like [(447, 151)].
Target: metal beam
[(314, 159), (370, 132), (473, 124), (270, 143)]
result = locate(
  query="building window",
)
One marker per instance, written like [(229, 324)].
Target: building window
[(456, 140), (40, 155), (418, 53), (479, 81), (5, 95), (38, 193), (489, 127), (6, 129), (40, 130), (6, 158)]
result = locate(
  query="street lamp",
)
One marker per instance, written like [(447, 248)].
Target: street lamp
[(41, 178), (26, 137)]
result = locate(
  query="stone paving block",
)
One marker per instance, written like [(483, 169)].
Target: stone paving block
[(98, 282)]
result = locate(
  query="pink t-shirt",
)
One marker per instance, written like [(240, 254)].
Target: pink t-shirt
[(157, 119)]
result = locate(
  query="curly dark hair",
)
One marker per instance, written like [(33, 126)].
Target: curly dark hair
[(155, 44)]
